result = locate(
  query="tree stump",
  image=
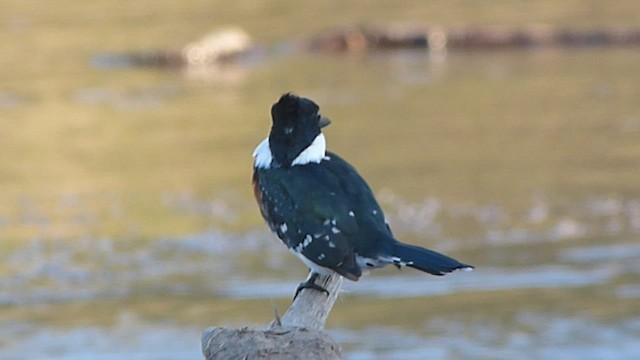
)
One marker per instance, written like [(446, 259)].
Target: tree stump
[(298, 334)]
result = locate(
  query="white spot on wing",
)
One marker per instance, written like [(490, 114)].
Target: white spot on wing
[(332, 244), (313, 266), (283, 227), (303, 244), (321, 256), (335, 230), (396, 260), (352, 214)]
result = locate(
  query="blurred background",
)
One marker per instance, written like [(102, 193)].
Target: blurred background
[(127, 223)]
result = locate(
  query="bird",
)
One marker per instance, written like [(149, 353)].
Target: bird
[(321, 208)]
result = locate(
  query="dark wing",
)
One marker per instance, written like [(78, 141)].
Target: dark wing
[(369, 216), (308, 209), (375, 238)]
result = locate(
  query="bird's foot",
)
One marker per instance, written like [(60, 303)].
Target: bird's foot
[(310, 283)]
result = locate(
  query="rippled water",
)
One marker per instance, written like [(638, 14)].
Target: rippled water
[(127, 224)]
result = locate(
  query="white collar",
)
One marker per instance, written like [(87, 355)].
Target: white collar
[(314, 153)]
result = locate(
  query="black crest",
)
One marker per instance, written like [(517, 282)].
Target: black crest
[(296, 123)]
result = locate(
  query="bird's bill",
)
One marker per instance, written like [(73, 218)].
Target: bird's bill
[(324, 121)]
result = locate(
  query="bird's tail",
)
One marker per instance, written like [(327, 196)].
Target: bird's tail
[(425, 260)]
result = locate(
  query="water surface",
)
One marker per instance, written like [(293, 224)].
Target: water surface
[(127, 221)]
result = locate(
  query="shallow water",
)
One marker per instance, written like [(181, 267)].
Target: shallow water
[(127, 221)]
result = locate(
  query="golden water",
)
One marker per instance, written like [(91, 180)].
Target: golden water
[(126, 217)]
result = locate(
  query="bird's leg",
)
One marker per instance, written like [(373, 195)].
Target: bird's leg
[(310, 283)]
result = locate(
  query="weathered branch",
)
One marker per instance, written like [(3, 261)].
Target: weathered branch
[(298, 334), (311, 308)]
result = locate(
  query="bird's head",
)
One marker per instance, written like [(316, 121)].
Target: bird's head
[(296, 136)]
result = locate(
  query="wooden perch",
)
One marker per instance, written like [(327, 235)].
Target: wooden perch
[(298, 334)]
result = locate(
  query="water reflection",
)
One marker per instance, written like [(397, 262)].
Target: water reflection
[(537, 337), (137, 99), (127, 221), (554, 339), (45, 270), (409, 285)]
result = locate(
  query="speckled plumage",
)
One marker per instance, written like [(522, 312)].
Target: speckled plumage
[(320, 207)]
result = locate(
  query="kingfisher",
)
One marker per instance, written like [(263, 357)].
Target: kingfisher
[(321, 208)]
